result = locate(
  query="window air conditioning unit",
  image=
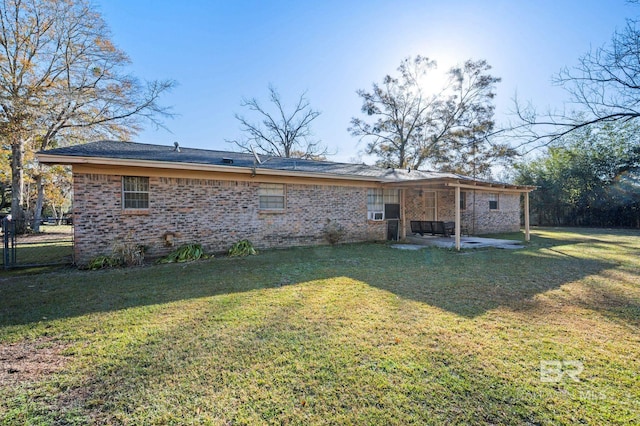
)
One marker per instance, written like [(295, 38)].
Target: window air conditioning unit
[(376, 215)]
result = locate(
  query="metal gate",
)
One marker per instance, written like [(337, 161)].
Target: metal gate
[(22, 249), (9, 242)]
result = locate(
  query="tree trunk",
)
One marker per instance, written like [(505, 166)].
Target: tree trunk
[(37, 214), (17, 184), (57, 218)]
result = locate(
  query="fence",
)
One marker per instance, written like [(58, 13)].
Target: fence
[(22, 248)]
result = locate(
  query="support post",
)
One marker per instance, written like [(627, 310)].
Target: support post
[(527, 235), (403, 221), (458, 227)]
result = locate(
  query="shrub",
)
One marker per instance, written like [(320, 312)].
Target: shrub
[(101, 262), (333, 232), (129, 253), (185, 253), (242, 248), (123, 253)]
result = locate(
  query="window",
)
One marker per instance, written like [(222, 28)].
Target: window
[(135, 192), (375, 204), (391, 196), (377, 198), (463, 200), (493, 202), (271, 196)]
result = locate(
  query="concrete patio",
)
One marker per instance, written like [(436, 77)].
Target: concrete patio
[(416, 242)]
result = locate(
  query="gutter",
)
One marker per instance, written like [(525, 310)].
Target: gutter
[(72, 159), (501, 187)]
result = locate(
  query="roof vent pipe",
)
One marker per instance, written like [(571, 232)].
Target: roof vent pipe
[(177, 146)]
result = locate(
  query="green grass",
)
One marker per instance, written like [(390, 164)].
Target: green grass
[(44, 253), (352, 334), (53, 245)]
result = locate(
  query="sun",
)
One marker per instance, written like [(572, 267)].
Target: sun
[(436, 79)]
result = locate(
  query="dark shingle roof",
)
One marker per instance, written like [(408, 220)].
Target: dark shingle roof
[(162, 153)]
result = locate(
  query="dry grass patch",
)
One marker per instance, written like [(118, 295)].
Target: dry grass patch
[(31, 361)]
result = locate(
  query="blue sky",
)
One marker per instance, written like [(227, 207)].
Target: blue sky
[(222, 51)]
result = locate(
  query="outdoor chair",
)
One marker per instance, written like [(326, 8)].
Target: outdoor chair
[(416, 227)]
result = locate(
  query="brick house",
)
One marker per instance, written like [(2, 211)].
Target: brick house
[(162, 197)]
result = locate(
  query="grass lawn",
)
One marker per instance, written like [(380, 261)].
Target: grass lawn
[(53, 245), (354, 334)]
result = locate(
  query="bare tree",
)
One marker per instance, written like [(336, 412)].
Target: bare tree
[(604, 87), (445, 128), (280, 132), (61, 77)]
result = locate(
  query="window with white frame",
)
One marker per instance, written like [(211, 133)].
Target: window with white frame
[(494, 201), (271, 196), (377, 198), (135, 192), (375, 204)]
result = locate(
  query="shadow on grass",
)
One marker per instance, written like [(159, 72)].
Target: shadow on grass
[(436, 386), (467, 283), (474, 282)]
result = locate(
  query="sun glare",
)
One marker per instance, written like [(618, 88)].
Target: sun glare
[(434, 81)]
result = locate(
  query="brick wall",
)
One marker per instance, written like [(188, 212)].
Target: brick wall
[(214, 213), (477, 218), (217, 213), (505, 219)]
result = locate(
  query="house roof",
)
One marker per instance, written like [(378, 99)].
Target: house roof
[(148, 155)]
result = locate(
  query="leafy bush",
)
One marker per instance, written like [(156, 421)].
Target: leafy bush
[(242, 248), (101, 262), (124, 253), (333, 232), (185, 253)]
